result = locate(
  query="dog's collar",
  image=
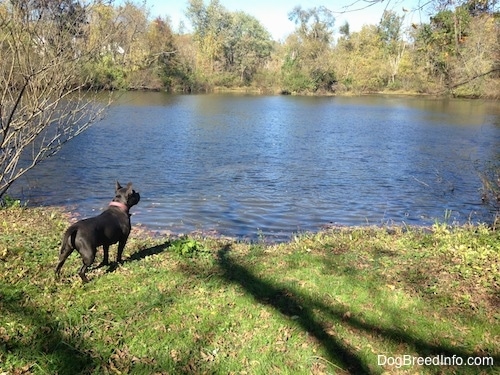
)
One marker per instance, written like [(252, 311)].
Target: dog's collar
[(120, 205)]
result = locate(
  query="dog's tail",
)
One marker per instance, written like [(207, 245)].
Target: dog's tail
[(68, 241)]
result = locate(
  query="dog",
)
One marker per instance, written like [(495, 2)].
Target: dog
[(106, 229)]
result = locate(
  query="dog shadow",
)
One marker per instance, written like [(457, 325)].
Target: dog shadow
[(139, 255)]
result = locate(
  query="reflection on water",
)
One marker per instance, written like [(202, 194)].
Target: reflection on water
[(275, 165)]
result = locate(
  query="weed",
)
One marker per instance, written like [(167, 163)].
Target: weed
[(188, 247), (8, 202)]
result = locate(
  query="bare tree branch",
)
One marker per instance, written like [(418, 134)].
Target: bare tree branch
[(46, 98)]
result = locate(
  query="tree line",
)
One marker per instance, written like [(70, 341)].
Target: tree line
[(456, 52)]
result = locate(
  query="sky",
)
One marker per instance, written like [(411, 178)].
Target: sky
[(273, 14)]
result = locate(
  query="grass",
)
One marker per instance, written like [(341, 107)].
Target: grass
[(334, 302)]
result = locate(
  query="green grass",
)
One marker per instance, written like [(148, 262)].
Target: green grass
[(324, 303)]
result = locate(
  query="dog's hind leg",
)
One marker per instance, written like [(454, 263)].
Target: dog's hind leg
[(64, 253), (87, 258), (62, 258), (82, 271)]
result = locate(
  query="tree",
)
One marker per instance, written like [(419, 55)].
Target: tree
[(459, 46), (390, 31), (44, 100), (162, 62), (231, 45), (131, 32), (209, 23), (359, 60), (345, 30), (247, 46), (307, 64), (479, 64), (102, 70), (314, 23)]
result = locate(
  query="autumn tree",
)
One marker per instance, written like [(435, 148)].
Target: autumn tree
[(132, 26), (247, 46), (459, 47), (359, 61), (232, 46), (209, 23), (150, 57), (478, 72), (105, 69), (307, 63), (391, 35), (44, 100)]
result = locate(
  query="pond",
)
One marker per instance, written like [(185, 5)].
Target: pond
[(252, 166)]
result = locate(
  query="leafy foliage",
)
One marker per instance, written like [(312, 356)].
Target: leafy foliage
[(8, 202), (454, 53), (231, 46), (187, 247)]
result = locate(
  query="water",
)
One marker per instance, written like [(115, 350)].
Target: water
[(272, 166)]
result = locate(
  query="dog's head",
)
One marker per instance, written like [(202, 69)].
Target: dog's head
[(126, 195)]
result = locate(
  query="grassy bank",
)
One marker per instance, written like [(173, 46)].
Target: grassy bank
[(339, 301)]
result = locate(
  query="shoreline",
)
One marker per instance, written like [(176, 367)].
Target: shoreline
[(143, 231), (279, 92)]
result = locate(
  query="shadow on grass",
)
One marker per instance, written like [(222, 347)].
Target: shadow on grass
[(287, 304), (304, 309), (44, 341), (139, 255)]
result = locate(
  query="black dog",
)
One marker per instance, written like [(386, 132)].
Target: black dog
[(110, 227)]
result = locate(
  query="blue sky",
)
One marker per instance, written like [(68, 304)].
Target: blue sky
[(273, 14)]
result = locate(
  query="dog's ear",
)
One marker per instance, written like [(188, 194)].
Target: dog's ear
[(118, 186), (129, 188)]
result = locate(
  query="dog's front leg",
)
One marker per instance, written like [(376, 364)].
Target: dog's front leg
[(105, 259), (121, 246)]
